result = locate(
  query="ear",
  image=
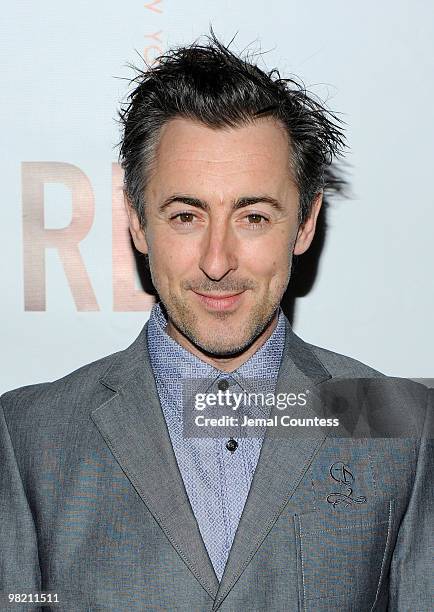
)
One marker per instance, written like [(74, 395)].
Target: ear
[(136, 230), (306, 231)]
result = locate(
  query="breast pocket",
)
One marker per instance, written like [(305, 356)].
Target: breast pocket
[(341, 560)]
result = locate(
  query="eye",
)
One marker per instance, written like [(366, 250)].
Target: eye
[(183, 217), (256, 219)]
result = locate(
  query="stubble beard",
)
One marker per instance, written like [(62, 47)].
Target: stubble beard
[(216, 344)]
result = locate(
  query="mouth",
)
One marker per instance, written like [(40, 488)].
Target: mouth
[(218, 301)]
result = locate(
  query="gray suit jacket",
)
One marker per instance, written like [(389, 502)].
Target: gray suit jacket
[(93, 507)]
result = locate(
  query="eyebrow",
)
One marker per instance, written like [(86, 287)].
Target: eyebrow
[(236, 205)]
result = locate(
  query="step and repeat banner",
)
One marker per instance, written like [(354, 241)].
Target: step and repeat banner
[(70, 290)]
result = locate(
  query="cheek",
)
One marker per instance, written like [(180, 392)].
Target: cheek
[(270, 262), (171, 260), (280, 270)]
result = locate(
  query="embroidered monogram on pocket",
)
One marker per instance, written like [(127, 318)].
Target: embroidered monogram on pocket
[(344, 496)]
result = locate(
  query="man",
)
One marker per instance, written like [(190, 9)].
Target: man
[(107, 503)]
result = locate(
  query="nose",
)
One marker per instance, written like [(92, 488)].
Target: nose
[(218, 250)]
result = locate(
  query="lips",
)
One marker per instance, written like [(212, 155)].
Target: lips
[(218, 301)]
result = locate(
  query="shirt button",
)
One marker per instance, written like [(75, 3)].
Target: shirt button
[(232, 445), (223, 384)]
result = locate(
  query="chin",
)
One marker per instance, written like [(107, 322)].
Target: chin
[(222, 351), (221, 347)]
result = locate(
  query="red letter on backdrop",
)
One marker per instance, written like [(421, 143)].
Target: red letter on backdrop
[(37, 238)]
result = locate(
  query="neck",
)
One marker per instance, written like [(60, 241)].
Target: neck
[(226, 364)]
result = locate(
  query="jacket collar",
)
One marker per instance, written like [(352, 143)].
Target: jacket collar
[(297, 354)]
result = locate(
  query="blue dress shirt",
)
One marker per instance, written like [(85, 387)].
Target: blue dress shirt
[(216, 480)]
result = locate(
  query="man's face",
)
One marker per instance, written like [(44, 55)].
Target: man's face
[(222, 226)]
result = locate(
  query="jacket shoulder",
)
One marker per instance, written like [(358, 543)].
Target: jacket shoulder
[(62, 396), (342, 366)]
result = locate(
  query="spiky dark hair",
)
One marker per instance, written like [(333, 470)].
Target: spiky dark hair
[(211, 84)]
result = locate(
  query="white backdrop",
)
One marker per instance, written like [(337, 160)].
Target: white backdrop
[(373, 298)]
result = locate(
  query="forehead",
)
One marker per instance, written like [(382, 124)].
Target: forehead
[(192, 157)]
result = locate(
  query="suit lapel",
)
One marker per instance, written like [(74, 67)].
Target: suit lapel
[(282, 462), (133, 426)]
